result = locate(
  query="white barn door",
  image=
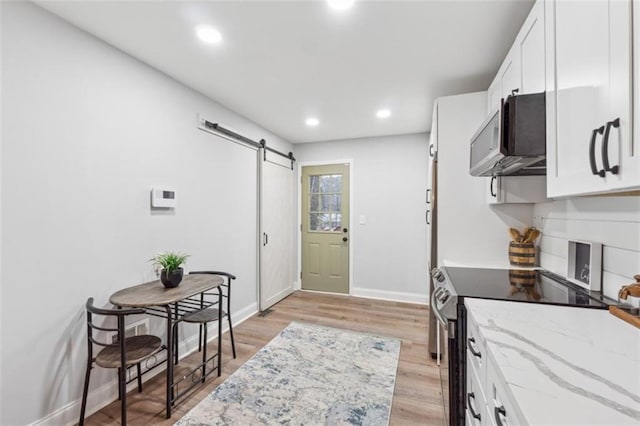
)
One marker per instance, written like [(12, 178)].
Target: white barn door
[(277, 222)]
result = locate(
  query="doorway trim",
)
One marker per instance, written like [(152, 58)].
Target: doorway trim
[(301, 164)]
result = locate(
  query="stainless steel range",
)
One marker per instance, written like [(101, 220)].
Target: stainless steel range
[(454, 284)]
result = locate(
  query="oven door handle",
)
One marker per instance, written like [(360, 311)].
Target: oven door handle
[(434, 308)]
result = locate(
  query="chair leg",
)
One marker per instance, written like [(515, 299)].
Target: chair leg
[(200, 338), (85, 392), (204, 353), (119, 389), (139, 378), (175, 347), (122, 379), (233, 343)]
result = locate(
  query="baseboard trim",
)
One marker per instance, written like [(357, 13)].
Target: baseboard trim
[(394, 296), (107, 393), (280, 295)]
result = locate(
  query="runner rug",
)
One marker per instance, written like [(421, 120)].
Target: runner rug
[(307, 375)]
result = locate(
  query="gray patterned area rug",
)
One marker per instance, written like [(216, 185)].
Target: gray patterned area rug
[(307, 375)]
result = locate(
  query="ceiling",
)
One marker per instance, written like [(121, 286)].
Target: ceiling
[(281, 62)]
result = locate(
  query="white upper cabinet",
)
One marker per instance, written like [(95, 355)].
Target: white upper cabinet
[(516, 189), (494, 94), (588, 80), (523, 68), (510, 73), (433, 137), (523, 71), (531, 45)]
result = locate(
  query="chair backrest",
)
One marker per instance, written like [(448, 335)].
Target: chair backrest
[(225, 286), (119, 329)]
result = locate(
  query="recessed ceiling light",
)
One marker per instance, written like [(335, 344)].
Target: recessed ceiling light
[(383, 113), (208, 34), (341, 4), (312, 121)]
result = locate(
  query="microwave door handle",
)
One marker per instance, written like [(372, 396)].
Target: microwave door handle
[(592, 152)]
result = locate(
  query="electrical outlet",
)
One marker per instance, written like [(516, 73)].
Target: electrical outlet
[(137, 328)]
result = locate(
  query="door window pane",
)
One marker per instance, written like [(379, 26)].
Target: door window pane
[(325, 203)]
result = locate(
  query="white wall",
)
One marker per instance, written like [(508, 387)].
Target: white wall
[(87, 131), (612, 221), (470, 231), (389, 184)]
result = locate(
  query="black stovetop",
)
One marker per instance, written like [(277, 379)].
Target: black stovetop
[(520, 285)]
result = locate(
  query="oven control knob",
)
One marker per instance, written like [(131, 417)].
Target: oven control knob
[(439, 276), (443, 296)]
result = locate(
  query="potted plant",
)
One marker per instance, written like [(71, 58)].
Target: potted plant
[(171, 263)]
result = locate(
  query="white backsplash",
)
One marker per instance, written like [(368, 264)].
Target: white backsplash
[(612, 221)]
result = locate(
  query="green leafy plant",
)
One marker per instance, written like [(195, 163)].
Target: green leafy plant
[(169, 261)]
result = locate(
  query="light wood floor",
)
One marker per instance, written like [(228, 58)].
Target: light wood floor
[(417, 397)]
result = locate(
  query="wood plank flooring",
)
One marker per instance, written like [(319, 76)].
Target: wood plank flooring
[(417, 397)]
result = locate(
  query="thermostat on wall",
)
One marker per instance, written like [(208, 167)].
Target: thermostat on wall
[(163, 197)]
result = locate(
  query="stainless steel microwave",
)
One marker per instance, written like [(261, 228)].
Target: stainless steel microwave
[(512, 141)]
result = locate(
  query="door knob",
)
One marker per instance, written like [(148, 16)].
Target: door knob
[(345, 239), (345, 230)]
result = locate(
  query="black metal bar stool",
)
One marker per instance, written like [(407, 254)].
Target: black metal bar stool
[(212, 313), (209, 314), (122, 353)]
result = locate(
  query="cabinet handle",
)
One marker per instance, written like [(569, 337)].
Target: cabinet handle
[(471, 396), (592, 152), (493, 179), (497, 412), (431, 150), (428, 196), (470, 343), (426, 217), (605, 148)]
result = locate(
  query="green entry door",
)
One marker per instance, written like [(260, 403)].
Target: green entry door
[(325, 233)]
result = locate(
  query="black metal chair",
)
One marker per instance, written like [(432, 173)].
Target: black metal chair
[(205, 316), (121, 354)]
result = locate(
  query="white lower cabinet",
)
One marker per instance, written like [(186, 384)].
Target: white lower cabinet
[(475, 400), (502, 410), (487, 401)]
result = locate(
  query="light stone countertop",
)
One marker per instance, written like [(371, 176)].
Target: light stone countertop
[(563, 365)]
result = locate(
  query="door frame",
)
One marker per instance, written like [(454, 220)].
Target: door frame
[(301, 164)]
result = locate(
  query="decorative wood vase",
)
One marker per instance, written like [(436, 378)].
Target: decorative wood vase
[(172, 279), (522, 254)]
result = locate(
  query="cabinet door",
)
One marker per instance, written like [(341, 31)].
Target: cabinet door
[(631, 158), (433, 137), (588, 82), (532, 58), (502, 408), (516, 189), (493, 195), (510, 77), (494, 94)]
